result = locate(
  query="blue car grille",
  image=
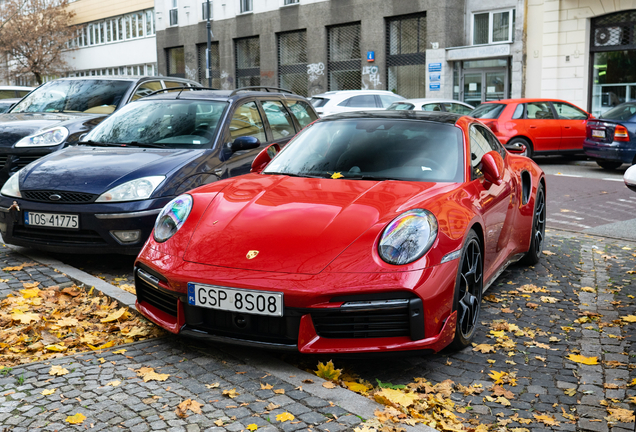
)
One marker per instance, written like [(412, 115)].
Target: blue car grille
[(58, 236), (64, 197)]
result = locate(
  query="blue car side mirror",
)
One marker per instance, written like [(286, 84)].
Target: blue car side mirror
[(245, 143)]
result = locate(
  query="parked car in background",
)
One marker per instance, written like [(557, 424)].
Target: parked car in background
[(611, 140), (630, 177), (13, 92), (57, 113), (6, 104), (535, 126), (427, 104), (104, 195), (334, 102), (369, 232)]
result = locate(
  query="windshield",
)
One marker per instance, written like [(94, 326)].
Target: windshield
[(487, 111), (401, 106), (162, 123), (90, 96), (374, 149), (622, 112)]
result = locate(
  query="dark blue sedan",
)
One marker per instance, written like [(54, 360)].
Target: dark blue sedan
[(611, 139), (103, 196)]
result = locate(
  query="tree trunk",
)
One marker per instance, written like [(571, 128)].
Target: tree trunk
[(38, 77)]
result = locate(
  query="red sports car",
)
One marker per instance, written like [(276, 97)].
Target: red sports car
[(535, 126), (369, 232)]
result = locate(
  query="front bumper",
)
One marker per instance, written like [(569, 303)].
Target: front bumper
[(96, 221), (624, 152), (324, 313)]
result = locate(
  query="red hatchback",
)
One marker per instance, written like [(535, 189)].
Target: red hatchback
[(535, 126)]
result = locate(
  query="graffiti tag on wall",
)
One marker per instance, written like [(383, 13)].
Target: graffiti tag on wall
[(370, 78)]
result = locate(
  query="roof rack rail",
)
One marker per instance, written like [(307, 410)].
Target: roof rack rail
[(179, 88), (266, 88)]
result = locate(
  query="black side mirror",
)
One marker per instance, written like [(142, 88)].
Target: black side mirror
[(245, 143)]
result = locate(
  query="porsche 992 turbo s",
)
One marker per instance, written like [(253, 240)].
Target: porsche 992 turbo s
[(369, 232)]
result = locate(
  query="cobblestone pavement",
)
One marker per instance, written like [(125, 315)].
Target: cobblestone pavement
[(104, 387), (542, 371)]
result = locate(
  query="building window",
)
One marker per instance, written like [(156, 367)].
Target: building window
[(406, 59), (175, 62), (493, 27), (292, 61), (214, 63), (124, 27), (248, 62), (344, 63), (246, 6), (174, 13), (290, 2), (204, 10)]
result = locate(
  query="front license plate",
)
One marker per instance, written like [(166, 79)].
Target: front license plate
[(236, 300), (51, 220), (596, 133)]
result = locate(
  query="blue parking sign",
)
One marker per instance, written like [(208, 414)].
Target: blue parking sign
[(370, 56), (434, 87), (434, 67)]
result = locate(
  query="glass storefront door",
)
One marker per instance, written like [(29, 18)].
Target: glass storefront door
[(483, 80), (614, 79)]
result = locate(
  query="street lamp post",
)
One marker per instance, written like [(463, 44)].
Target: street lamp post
[(208, 59)]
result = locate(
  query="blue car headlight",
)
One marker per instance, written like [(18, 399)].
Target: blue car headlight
[(408, 237), (172, 217)]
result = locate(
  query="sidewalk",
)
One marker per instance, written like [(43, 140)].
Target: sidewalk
[(104, 386)]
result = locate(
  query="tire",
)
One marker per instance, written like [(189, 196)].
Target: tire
[(529, 149), (609, 165), (538, 229), (468, 290)]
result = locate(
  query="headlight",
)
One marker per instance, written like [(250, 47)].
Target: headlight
[(133, 190), (12, 187), (408, 237), (50, 137), (172, 217)]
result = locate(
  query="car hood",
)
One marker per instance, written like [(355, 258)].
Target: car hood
[(13, 127), (297, 225), (95, 170)]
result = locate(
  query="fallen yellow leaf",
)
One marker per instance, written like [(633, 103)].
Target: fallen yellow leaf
[(57, 370), (327, 371), (588, 289), (546, 419), (582, 359), (114, 383), (357, 387), (283, 417), (115, 315), (149, 374), (629, 318), (388, 396), (570, 391), (120, 351), (251, 427), (337, 175), (231, 393), (47, 392), (76, 419)]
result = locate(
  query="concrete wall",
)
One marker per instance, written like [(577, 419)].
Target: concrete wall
[(93, 10), (314, 16), (558, 30), (132, 52)]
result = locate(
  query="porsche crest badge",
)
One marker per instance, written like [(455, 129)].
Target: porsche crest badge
[(252, 254)]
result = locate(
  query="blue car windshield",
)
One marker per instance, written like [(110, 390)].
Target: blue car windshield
[(161, 123), (374, 149), (97, 96)]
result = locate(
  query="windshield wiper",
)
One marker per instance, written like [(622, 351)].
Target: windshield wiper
[(138, 144), (294, 175), (371, 177), (130, 144)]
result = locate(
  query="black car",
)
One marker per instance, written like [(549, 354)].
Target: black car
[(103, 195), (59, 112)]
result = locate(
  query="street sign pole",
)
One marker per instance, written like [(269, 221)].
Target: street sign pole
[(208, 60)]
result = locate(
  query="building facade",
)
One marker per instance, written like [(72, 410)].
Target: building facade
[(583, 51), (309, 46)]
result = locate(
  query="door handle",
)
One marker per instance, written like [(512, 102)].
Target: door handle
[(567, 127), (533, 127)]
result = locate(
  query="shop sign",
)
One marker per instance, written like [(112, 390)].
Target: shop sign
[(434, 67), (434, 87), (477, 52)]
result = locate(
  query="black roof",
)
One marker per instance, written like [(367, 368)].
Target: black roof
[(194, 94), (438, 117)]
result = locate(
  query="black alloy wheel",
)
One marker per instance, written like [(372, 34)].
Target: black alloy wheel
[(468, 290), (538, 228)]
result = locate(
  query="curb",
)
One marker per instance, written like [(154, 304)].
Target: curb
[(353, 402), (583, 233)]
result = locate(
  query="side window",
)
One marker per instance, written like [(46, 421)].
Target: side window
[(479, 146), (6, 94), (539, 110), (495, 144), (518, 114), (170, 84), (362, 101), (301, 111), (569, 112), (279, 119), (431, 107), (388, 99), (247, 121), (146, 88), (457, 108)]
